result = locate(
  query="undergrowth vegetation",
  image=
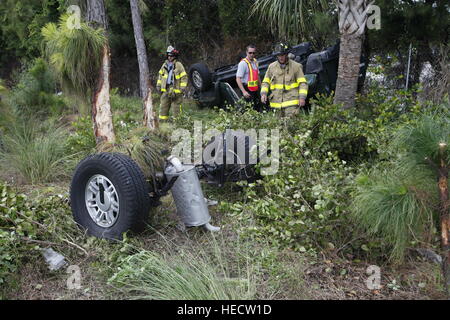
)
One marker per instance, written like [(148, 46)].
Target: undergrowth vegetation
[(350, 183)]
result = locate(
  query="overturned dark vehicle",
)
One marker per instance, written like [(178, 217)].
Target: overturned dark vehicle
[(219, 88)]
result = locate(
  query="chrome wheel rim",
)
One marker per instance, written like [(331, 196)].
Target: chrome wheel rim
[(197, 79), (102, 201)]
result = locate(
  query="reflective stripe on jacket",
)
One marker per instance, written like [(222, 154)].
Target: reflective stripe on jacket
[(179, 80), (287, 86), (252, 83)]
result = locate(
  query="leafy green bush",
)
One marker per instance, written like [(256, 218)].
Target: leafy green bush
[(306, 205)]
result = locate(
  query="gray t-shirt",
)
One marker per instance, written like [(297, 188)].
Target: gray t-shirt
[(243, 72)]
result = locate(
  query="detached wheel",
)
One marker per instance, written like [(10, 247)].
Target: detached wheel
[(200, 76), (109, 195)]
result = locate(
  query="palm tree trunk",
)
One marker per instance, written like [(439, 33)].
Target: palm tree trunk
[(144, 74), (348, 72), (101, 107), (352, 24)]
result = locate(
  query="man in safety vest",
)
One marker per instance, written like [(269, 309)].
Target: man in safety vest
[(286, 83), (172, 83), (247, 78)]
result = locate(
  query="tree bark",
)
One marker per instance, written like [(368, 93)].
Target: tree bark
[(445, 218), (348, 71), (96, 14), (144, 74), (101, 107), (353, 16)]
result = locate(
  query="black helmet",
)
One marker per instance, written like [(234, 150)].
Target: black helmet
[(280, 48)]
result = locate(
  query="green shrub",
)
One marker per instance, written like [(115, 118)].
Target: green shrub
[(81, 139), (306, 205), (34, 95)]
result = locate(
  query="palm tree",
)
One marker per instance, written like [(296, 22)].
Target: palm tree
[(76, 56), (146, 94), (352, 23)]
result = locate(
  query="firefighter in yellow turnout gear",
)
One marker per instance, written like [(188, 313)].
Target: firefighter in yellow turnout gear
[(284, 85), (172, 83)]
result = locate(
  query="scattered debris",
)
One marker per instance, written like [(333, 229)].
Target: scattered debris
[(430, 255), (210, 202), (54, 260)]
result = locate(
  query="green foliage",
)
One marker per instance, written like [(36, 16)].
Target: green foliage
[(75, 54), (128, 113), (297, 20), (186, 275), (395, 208), (24, 220), (21, 22), (421, 140), (35, 152), (306, 204), (81, 139), (34, 95), (405, 22), (398, 203)]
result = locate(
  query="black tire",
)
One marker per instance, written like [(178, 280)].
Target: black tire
[(131, 188), (200, 77)]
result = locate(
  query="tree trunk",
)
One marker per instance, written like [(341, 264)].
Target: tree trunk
[(348, 72), (445, 218), (352, 24), (101, 107), (144, 74)]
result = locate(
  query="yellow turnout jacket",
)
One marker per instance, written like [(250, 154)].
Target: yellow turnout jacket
[(179, 77), (287, 86)]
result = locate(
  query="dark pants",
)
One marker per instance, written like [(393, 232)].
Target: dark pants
[(255, 99)]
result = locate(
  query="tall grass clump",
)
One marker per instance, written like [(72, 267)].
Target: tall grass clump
[(400, 203), (419, 141), (35, 152), (396, 209), (184, 274)]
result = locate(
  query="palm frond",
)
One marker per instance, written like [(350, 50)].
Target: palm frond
[(291, 20), (75, 54)]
